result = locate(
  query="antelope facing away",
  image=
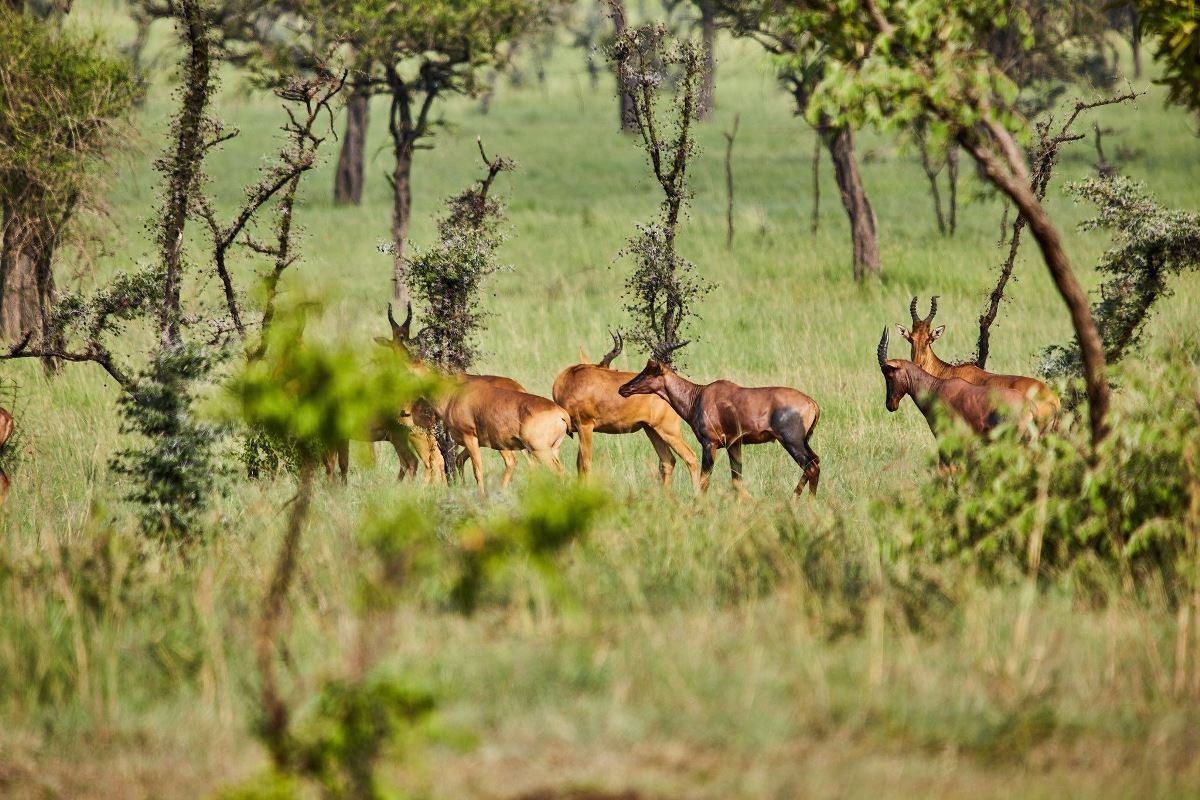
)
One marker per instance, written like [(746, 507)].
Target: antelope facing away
[(588, 393), (922, 336), (723, 414), (6, 429), (980, 407), (480, 414)]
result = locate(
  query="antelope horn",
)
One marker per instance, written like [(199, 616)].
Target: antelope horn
[(912, 310), (392, 322), (406, 328), (882, 351), (618, 343), (663, 352), (932, 309)]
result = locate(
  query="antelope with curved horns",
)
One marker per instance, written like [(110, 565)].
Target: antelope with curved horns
[(923, 335), (723, 414), (589, 394), (410, 433), (403, 340), (6, 430), (481, 414), (982, 408)]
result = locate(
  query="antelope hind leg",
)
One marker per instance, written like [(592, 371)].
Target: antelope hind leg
[(666, 459)]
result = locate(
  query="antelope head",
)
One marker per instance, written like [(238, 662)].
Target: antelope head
[(893, 376), (651, 380), (401, 340), (618, 343), (922, 335)]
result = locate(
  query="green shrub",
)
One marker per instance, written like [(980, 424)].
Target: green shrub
[(1055, 507)]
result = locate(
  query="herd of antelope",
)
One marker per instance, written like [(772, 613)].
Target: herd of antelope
[(497, 413)]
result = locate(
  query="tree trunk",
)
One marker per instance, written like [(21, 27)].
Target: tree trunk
[(1014, 182), (401, 217), (1135, 41), (839, 140), (628, 115), (26, 278), (348, 180), (952, 179), (708, 32)]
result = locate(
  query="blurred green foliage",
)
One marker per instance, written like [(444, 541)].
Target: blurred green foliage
[(318, 396)]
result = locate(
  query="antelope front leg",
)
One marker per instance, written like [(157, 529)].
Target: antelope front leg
[(583, 461), (472, 445), (708, 457)]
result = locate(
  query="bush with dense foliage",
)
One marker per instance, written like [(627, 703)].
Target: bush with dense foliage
[(1054, 507)]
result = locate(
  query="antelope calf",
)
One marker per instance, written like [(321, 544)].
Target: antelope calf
[(589, 394), (922, 336), (723, 414), (982, 408), (482, 415), (6, 429)]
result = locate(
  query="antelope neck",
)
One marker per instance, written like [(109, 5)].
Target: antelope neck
[(922, 387), (931, 363), (680, 393)]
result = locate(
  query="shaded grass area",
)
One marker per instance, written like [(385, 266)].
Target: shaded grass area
[(696, 647)]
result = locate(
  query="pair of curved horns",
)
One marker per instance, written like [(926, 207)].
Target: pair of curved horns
[(882, 351), (912, 310), (618, 343), (400, 332)]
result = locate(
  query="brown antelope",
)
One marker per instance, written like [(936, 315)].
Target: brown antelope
[(410, 433), (480, 414), (982, 408), (403, 341), (589, 394), (723, 414), (922, 336), (6, 429)]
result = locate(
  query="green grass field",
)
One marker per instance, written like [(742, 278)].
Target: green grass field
[(693, 655)]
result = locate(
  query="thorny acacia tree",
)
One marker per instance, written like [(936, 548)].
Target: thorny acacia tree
[(664, 287), (1151, 245), (174, 468), (447, 278), (803, 55), (415, 53), (922, 59), (61, 97)]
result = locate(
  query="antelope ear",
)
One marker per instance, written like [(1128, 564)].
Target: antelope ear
[(938, 331), (904, 332), (383, 340), (583, 357)]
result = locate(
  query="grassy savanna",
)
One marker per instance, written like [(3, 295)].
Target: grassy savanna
[(695, 647)]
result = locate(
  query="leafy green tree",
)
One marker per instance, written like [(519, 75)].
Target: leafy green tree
[(1176, 23), (918, 60), (415, 53), (61, 102)]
